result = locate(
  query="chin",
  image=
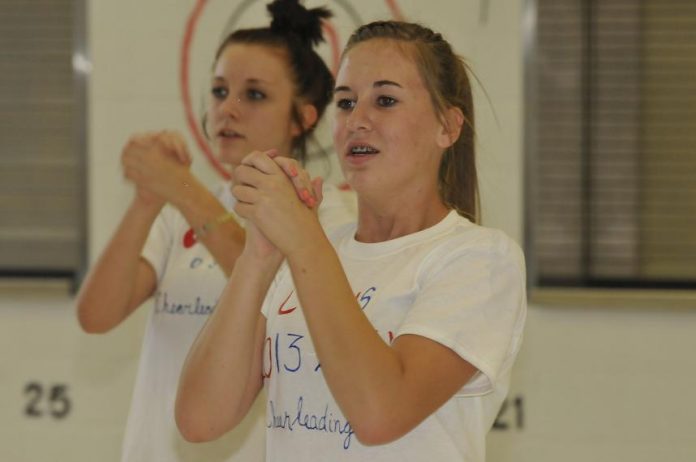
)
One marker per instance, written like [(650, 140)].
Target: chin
[(231, 159)]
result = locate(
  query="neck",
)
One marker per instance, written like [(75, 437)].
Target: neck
[(396, 217)]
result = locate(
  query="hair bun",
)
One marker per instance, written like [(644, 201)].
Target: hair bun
[(291, 18)]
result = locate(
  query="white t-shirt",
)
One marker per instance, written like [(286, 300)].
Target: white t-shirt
[(459, 284), (189, 284)]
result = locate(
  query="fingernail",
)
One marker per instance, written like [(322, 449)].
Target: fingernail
[(293, 171), (304, 194), (311, 202)]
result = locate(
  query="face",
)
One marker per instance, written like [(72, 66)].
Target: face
[(250, 103), (386, 132)]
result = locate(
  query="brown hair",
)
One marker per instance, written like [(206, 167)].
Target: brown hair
[(447, 80), (295, 30)]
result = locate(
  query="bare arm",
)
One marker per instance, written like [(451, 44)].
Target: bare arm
[(199, 206), (226, 240), (370, 380), (222, 374), (160, 162), (121, 280)]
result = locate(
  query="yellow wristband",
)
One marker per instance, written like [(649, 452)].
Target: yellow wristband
[(205, 228)]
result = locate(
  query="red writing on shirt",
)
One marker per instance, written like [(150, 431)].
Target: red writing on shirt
[(282, 309), (362, 297)]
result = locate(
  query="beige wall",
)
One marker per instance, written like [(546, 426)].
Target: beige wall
[(597, 383)]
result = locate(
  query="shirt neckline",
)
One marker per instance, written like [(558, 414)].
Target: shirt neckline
[(378, 249)]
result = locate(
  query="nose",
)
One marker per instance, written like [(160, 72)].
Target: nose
[(231, 106), (359, 118)]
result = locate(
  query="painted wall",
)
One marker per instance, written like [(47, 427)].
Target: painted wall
[(593, 382)]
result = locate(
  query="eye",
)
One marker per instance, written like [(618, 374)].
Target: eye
[(219, 92), (386, 101), (255, 95), (345, 104)]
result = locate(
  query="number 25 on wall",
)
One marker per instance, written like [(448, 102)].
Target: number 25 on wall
[(47, 400)]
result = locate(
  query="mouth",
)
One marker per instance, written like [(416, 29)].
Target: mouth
[(361, 150), (229, 134)]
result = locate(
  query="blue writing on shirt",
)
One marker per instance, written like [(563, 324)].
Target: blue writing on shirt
[(365, 297), (283, 351), (164, 305), (304, 420), (198, 261)]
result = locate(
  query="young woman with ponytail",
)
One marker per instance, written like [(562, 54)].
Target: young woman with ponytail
[(389, 339)]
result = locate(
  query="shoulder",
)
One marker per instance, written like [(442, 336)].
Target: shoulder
[(465, 236), (473, 247)]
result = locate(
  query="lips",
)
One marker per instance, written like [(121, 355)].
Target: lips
[(358, 149), (229, 134)]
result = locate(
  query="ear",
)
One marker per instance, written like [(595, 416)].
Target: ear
[(308, 115), (451, 128)]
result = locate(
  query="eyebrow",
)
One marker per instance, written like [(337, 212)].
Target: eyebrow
[(253, 81), (383, 83), (377, 84)]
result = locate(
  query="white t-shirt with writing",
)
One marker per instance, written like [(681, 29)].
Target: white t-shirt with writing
[(189, 285), (459, 284)]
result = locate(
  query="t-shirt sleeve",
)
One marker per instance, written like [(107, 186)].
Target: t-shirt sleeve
[(473, 301), (159, 242)]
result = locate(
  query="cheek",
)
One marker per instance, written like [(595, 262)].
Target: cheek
[(277, 116), (337, 127), (415, 133), (211, 113), (216, 111), (208, 122), (271, 128)]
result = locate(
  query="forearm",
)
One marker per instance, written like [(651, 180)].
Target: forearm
[(200, 207), (222, 373), (364, 374), (111, 289)]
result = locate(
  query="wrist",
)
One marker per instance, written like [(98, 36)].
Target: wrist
[(186, 191), (146, 207), (312, 243), (266, 264), (206, 228)]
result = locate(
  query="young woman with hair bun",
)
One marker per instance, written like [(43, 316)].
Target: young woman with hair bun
[(178, 241)]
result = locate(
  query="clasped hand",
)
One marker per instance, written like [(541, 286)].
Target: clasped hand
[(158, 163), (280, 201)]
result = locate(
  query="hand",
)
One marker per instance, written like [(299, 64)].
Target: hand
[(158, 164), (308, 190), (270, 195)]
